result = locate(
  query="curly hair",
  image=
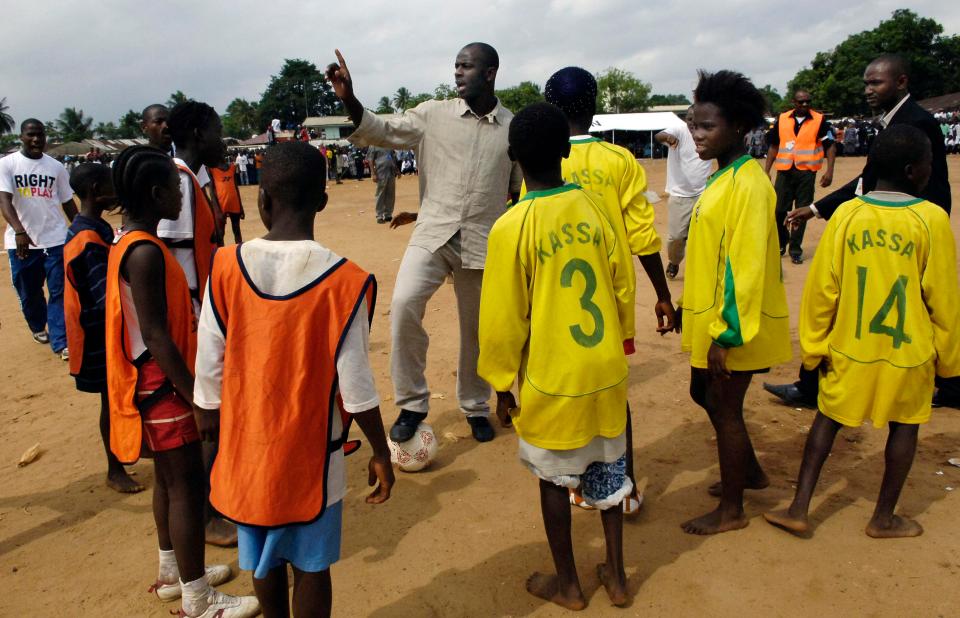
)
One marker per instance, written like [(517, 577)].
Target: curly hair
[(574, 91), (735, 95), (538, 136)]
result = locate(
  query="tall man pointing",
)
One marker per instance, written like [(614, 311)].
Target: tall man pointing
[(465, 179)]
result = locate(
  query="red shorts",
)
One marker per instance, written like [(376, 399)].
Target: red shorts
[(168, 421)]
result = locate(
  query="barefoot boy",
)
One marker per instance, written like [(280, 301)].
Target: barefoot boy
[(284, 330), (558, 289), (84, 294), (879, 318)]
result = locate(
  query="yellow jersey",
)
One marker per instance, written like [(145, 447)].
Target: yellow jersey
[(557, 289), (615, 176), (880, 308), (733, 291)]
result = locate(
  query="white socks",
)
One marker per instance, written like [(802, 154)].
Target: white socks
[(169, 572), (196, 596)]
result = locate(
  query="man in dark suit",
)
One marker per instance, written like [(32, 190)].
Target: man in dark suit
[(886, 83)]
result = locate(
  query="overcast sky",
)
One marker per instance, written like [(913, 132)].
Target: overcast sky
[(109, 56)]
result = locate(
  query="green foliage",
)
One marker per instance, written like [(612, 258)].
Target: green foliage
[(73, 126), (668, 99), (383, 106), (298, 91), (517, 97), (8, 141), (106, 130), (7, 124), (401, 100), (835, 77), (417, 99), (775, 102), (176, 97), (241, 119), (129, 125), (621, 92), (445, 91)]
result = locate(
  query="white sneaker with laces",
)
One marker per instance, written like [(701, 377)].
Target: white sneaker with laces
[(228, 606), (216, 574), (41, 337), (65, 354)]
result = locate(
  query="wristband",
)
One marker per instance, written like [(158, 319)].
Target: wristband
[(24, 233)]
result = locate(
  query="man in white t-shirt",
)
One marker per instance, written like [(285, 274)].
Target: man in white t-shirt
[(34, 187), (242, 163), (687, 177)]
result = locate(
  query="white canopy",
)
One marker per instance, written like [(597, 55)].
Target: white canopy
[(641, 121)]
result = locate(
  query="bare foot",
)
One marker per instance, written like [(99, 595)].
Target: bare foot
[(897, 528), (616, 585), (758, 483), (547, 587), (121, 482), (714, 523), (783, 519), (221, 533)]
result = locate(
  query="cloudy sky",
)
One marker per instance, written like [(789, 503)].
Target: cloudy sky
[(109, 56)]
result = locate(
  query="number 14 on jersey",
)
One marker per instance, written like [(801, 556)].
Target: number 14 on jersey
[(896, 300)]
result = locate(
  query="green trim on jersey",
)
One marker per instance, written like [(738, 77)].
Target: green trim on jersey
[(561, 189), (876, 202), (585, 140), (732, 337), (735, 165)]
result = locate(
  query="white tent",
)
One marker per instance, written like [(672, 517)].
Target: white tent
[(641, 121)]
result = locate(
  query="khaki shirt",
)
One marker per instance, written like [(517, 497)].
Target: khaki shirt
[(465, 174)]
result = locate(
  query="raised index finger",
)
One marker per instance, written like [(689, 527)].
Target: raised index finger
[(343, 63)]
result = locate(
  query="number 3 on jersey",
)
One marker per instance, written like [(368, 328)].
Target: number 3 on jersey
[(577, 265), (896, 298)]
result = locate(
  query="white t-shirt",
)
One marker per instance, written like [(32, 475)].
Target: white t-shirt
[(687, 173), (39, 188), (181, 228), (242, 162), (279, 268)]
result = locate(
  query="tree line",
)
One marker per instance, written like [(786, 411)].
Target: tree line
[(834, 78)]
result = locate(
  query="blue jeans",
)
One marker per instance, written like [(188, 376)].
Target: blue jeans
[(28, 276)]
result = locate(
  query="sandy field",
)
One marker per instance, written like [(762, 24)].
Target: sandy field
[(460, 538)]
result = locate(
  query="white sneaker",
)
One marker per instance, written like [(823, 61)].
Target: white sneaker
[(65, 354), (228, 606), (216, 574), (41, 337)]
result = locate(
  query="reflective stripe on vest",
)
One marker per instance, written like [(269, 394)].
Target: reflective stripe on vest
[(279, 390), (122, 369), (72, 307), (802, 150)]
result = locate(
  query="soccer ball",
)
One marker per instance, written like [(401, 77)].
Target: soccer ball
[(416, 453)]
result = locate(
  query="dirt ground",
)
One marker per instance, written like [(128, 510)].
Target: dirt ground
[(460, 538)]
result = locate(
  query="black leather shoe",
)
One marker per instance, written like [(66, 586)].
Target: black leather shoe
[(406, 425), (481, 428), (790, 395), (796, 259)]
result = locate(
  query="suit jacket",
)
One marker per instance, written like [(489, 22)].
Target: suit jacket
[(938, 189)]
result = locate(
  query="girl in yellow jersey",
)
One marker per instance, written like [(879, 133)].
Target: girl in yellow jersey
[(734, 307), (618, 180), (879, 319), (557, 291)]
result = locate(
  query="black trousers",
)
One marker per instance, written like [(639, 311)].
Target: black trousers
[(808, 384), (794, 190)]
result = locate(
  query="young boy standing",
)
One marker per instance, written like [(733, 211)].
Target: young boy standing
[(879, 319), (558, 284), (84, 295), (224, 182), (281, 387)]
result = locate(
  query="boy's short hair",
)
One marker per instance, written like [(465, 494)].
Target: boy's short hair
[(738, 99), (574, 91), (896, 147), (187, 117), (539, 136), (294, 173), (85, 175)]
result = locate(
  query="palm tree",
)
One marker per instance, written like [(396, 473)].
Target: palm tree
[(177, 97), (401, 100), (73, 126), (6, 120), (383, 106)]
